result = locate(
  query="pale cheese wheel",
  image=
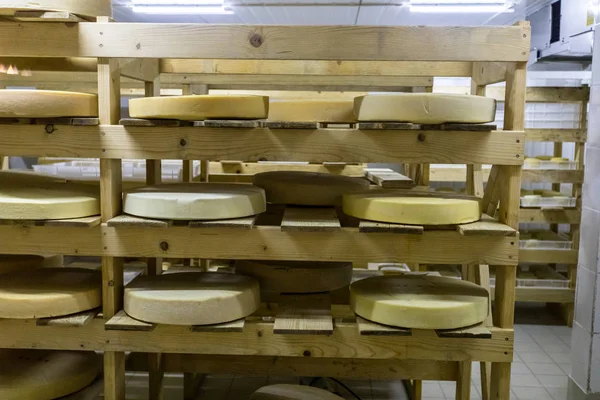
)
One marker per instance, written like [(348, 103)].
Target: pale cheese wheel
[(46, 104), (419, 301), (307, 188), (191, 298), (23, 177), (292, 392), (311, 110), (14, 262), (195, 201), (49, 292), (297, 276), (395, 207), (45, 374), (200, 107), (425, 108)]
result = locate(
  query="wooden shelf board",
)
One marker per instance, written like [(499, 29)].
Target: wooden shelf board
[(562, 216), (548, 256)]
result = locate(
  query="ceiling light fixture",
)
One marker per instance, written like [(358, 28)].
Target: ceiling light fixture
[(460, 8), (174, 10)]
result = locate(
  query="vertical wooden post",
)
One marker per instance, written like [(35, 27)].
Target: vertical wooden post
[(463, 382), (109, 106), (187, 172)]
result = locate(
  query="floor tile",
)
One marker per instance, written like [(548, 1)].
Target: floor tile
[(560, 358), (566, 367), (560, 381), (524, 380), (539, 357), (545, 369), (529, 393), (558, 393), (520, 368)]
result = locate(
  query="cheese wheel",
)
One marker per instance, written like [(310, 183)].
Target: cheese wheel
[(292, 392), (392, 206), (307, 188), (200, 201), (311, 110), (45, 374), (26, 177), (49, 292), (419, 301), (191, 298), (47, 104), (297, 276), (544, 158), (13, 262), (425, 108), (194, 108)]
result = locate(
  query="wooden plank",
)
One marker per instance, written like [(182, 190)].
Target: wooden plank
[(289, 125), (384, 227), (153, 122), (206, 41), (366, 327), (244, 168), (156, 376), (548, 216), (388, 179), (548, 256), (463, 382), (132, 221), (246, 223), (123, 322), (552, 176), (545, 294), (556, 135), (304, 314), (73, 320), (487, 226), (233, 326), (92, 9), (310, 219), (68, 121), (486, 73), (461, 127), (401, 126), (142, 69), (46, 16), (85, 222), (478, 331), (347, 145), (229, 123)]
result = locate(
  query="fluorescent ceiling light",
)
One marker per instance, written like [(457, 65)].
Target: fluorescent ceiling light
[(461, 9), (457, 2), (177, 3), (174, 10)]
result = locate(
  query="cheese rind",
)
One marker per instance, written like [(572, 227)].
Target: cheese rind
[(292, 392), (307, 188), (191, 298), (200, 107), (14, 262), (297, 276), (419, 301), (47, 104), (425, 108), (195, 201), (394, 207), (45, 374), (311, 110), (49, 292)]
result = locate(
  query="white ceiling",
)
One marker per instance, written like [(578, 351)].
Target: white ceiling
[(322, 12)]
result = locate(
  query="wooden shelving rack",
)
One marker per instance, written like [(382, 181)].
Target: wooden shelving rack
[(488, 54)]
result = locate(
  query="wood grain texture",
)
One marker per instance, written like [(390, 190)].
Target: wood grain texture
[(549, 256), (389, 179), (487, 226), (383, 227), (366, 327), (46, 16), (556, 135), (558, 216), (470, 332), (233, 326), (545, 294), (310, 219), (123, 322), (131, 221), (304, 314), (85, 8), (74, 320), (463, 381), (552, 176), (245, 223), (243, 168)]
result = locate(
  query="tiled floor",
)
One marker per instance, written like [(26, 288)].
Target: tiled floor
[(539, 372)]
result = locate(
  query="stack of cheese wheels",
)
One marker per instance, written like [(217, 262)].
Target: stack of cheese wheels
[(45, 374), (13, 262), (292, 392), (195, 201), (425, 108), (311, 110), (419, 301), (307, 188), (196, 108), (191, 298), (49, 292), (297, 276), (412, 208), (46, 104)]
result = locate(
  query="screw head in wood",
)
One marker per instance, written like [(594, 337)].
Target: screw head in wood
[(182, 142), (164, 246), (421, 137), (49, 128), (256, 40)]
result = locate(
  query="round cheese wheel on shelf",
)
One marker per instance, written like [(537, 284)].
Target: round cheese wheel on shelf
[(17, 262), (419, 301), (311, 110), (292, 392), (22, 177), (45, 374), (49, 292), (307, 188), (47, 104), (195, 201), (200, 107), (297, 276), (425, 108), (191, 298), (402, 208)]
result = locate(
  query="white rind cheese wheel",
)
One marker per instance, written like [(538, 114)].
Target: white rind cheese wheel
[(292, 392), (47, 104), (45, 374), (394, 207), (419, 301), (13, 262), (191, 298), (199, 201), (197, 108), (425, 108), (307, 188), (311, 110), (297, 276), (49, 292)]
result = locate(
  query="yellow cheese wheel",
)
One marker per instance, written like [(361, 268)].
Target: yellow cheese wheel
[(26, 177), (307, 188), (419, 301), (14, 262), (425, 108), (199, 201), (311, 110), (45, 374), (297, 276), (46, 104), (49, 292), (196, 108), (191, 298), (397, 207), (292, 392)]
